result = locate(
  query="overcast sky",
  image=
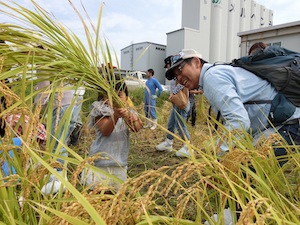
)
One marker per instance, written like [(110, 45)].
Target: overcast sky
[(133, 21)]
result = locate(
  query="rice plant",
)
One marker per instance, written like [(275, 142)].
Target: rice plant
[(247, 180)]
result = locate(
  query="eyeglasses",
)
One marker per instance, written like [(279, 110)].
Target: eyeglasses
[(178, 70)]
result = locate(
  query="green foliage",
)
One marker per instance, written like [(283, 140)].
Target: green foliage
[(137, 97), (247, 179), (89, 97), (160, 101)]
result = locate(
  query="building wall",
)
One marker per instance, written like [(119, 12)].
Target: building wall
[(176, 41), (183, 38), (156, 58), (215, 30), (209, 26), (193, 20), (143, 56), (219, 22), (205, 24), (287, 35), (127, 57)]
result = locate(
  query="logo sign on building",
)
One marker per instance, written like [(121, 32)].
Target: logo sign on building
[(216, 2)]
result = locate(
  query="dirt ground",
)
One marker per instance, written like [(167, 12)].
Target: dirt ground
[(143, 154)]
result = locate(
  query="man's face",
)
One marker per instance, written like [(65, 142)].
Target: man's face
[(148, 75), (188, 74)]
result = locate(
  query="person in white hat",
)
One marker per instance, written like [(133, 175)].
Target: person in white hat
[(176, 121)]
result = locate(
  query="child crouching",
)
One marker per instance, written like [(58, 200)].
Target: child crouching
[(112, 124)]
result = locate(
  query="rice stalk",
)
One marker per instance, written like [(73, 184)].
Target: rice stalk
[(169, 194)]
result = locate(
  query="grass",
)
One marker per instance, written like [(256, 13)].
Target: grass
[(143, 154), (143, 143), (161, 189), (144, 158)]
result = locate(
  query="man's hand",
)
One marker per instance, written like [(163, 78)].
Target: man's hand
[(195, 91), (170, 97)]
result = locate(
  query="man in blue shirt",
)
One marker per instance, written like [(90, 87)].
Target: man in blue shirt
[(152, 84), (227, 88)]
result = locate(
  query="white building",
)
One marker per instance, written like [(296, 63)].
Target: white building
[(211, 27), (144, 56), (285, 35), (208, 26)]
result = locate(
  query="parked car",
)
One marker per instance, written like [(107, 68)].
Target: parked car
[(135, 79)]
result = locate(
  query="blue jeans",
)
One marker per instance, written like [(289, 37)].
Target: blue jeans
[(68, 125), (291, 133), (177, 121), (150, 108)]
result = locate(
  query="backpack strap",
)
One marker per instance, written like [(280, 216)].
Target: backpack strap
[(246, 103), (217, 118), (217, 64), (235, 64), (258, 102)]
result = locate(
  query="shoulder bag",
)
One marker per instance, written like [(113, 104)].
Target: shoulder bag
[(181, 98)]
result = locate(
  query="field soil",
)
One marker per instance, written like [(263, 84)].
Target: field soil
[(143, 154)]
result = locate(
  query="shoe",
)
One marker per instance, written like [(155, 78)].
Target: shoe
[(166, 145), (153, 127), (53, 185), (148, 125), (20, 200), (227, 218), (183, 152)]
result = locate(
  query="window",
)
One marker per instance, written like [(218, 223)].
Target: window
[(160, 49)]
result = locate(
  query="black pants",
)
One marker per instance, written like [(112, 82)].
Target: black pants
[(192, 113), (291, 134)]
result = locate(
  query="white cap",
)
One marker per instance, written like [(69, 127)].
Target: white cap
[(177, 59)]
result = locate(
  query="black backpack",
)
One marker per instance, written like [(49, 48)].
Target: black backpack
[(277, 65), (280, 67)]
